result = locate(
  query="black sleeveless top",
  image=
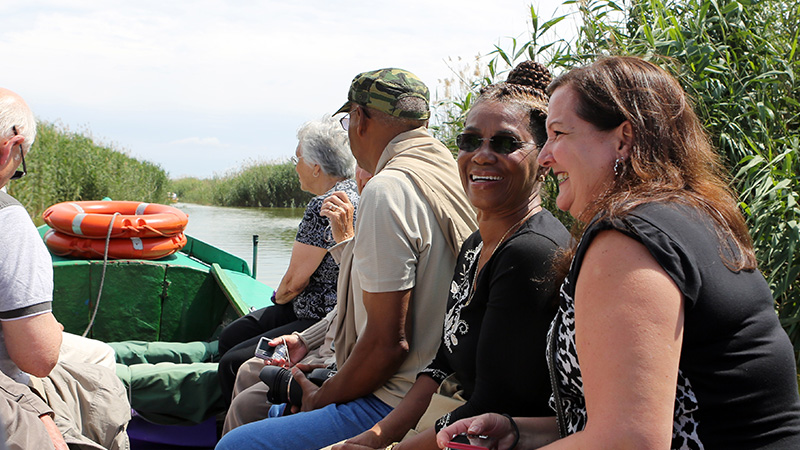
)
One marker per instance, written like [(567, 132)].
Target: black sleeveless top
[(737, 383)]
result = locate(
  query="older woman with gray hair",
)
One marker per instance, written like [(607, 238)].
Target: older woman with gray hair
[(307, 291)]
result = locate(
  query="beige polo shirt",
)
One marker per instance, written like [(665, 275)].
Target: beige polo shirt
[(398, 245)]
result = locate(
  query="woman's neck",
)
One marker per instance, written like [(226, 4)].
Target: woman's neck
[(326, 183), (495, 228)]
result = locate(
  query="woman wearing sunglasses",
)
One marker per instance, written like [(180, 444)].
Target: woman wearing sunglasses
[(666, 335), (502, 298)]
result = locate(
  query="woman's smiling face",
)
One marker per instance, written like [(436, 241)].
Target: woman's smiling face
[(580, 155), (495, 182)]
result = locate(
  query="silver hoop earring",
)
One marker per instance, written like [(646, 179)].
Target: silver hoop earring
[(541, 178), (619, 166)]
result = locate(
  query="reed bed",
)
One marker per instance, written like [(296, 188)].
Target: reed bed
[(266, 184)]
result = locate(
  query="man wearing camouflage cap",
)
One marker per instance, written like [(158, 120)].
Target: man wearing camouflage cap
[(394, 275)]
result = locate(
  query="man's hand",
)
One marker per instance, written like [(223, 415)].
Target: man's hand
[(297, 350), (352, 446), (366, 440), (52, 431), (309, 389)]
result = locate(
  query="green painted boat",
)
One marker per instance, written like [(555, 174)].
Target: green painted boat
[(184, 297)]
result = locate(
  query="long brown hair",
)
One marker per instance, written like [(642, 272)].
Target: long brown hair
[(671, 157)]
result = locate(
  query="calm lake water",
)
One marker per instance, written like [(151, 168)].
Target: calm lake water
[(232, 230)]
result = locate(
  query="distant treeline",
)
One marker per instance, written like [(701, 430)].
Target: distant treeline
[(259, 184), (67, 166)]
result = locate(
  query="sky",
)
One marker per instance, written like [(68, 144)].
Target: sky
[(204, 87)]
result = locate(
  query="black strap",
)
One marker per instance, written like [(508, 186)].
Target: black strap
[(516, 431)]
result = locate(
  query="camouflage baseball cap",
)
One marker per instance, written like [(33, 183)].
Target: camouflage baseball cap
[(382, 89)]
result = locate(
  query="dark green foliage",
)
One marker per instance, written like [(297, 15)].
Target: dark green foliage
[(67, 166)]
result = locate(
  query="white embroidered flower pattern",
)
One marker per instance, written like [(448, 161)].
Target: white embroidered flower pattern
[(460, 289)]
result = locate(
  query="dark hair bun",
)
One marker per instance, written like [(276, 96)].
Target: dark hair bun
[(531, 74)]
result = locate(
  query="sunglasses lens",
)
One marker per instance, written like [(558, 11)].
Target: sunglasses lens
[(504, 144), (345, 121), (468, 142)]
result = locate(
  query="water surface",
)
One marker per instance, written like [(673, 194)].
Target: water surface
[(232, 230)]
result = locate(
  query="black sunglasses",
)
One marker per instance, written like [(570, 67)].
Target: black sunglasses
[(503, 145), (19, 173)]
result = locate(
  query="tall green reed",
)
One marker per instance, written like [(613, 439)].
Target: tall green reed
[(264, 184)]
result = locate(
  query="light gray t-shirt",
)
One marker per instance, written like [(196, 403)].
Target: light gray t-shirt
[(26, 275)]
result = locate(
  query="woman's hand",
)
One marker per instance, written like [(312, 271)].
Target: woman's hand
[(297, 350), (493, 425), (338, 209)]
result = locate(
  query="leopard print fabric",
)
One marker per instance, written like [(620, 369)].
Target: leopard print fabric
[(570, 383)]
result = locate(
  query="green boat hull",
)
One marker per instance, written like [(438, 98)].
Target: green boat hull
[(188, 296)]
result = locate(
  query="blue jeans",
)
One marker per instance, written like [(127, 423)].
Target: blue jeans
[(310, 430)]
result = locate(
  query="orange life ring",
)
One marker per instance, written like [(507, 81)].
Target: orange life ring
[(136, 219), (122, 248)]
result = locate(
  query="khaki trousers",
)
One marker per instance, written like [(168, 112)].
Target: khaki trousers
[(90, 405), (249, 402)]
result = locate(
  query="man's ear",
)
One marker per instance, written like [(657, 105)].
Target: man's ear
[(625, 137), (363, 120), (7, 147)]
